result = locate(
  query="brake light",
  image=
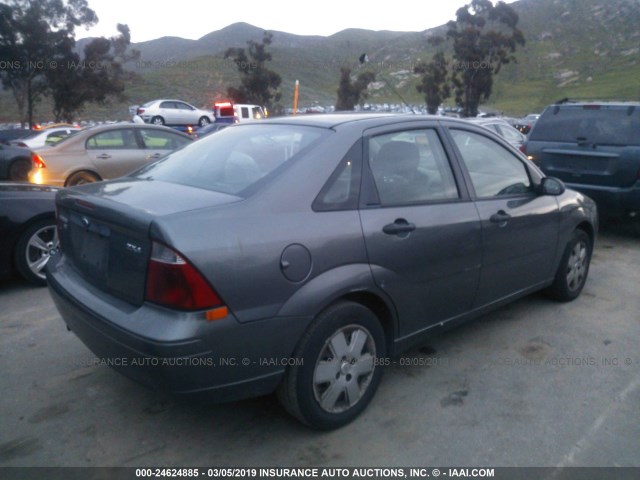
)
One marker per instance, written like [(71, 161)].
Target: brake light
[(523, 148), (174, 283), (37, 161), (140, 111)]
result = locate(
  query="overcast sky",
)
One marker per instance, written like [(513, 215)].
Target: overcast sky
[(151, 19)]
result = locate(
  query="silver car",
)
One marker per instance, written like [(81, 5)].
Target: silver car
[(299, 255), (174, 112), (504, 129), (103, 152)]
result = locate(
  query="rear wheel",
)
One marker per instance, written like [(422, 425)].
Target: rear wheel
[(573, 269), (339, 370), (34, 248), (19, 170), (80, 178), (158, 120)]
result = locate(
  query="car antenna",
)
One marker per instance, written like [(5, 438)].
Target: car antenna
[(364, 58)]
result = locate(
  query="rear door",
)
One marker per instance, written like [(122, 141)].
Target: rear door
[(422, 232), (519, 227), (158, 143), (115, 153)]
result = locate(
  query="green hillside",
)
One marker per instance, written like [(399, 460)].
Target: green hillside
[(575, 48)]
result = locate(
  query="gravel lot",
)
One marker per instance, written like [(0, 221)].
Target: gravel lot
[(534, 384)]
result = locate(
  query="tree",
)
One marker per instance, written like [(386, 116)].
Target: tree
[(351, 93), (96, 77), (33, 33), (259, 84), (435, 78), (485, 37)]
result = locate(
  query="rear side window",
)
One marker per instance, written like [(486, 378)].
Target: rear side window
[(411, 167), (113, 139), (234, 160), (600, 125)]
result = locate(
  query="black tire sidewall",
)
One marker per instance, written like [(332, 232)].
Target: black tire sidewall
[(155, 122), (204, 121), (15, 164), (73, 178), (328, 323)]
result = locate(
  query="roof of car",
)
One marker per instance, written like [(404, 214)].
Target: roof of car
[(333, 120)]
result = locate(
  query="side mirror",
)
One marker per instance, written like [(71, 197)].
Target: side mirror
[(552, 186)]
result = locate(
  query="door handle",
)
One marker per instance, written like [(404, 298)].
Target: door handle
[(155, 155), (104, 156), (400, 227), (501, 218)]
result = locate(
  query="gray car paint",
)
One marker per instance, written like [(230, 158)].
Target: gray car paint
[(237, 244)]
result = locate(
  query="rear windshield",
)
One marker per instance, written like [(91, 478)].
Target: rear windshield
[(593, 124), (235, 160)]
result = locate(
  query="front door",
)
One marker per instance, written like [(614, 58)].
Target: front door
[(519, 227)]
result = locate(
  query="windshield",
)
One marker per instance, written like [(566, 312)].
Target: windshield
[(236, 159)]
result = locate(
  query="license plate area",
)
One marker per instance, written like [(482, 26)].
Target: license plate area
[(89, 241)]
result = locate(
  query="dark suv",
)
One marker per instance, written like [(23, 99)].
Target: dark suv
[(593, 148)]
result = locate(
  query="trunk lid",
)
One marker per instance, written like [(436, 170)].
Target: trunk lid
[(105, 227)]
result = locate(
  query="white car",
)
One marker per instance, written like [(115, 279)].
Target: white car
[(173, 112), (45, 137)]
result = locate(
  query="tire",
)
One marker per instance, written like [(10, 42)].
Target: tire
[(333, 384), (204, 121), (34, 248), (81, 178), (158, 120), (19, 170), (573, 269)]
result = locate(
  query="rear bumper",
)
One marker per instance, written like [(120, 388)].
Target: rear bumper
[(180, 353), (612, 199)]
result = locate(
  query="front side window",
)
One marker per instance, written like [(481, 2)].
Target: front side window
[(112, 139), (494, 171), (411, 167)]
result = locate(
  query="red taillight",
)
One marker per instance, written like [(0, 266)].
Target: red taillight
[(140, 111), (174, 283), (523, 148), (37, 161)]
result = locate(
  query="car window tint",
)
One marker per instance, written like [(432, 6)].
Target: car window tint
[(592, 124), (112, 139), (494, 171), (411, 167), (167, 105), (161, 140), (342, 189), (235, 159)]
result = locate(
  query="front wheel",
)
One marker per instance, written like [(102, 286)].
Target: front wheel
[(339, 370), (204, 121), (34, 248), (573, 269)]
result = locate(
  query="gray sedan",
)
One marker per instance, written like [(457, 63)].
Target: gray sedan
[(298, 255), (103, 152)]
